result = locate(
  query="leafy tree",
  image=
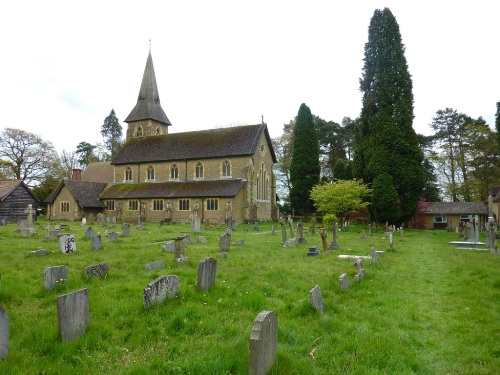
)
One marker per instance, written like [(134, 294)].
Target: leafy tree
[(331, 144), (431, 191), (304, 168), (47, 186), (85, 153), (111, 131), (385, 205), (386, 142), (26, 156), (342, 170), (283, 146), (340, 198)]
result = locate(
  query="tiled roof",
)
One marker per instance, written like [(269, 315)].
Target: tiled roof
[(457, 208), (8, 186), (215, 143), (171, 189), (98, 172), (86, 193)]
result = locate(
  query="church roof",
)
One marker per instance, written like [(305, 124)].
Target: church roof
[(86, 193), (148, 103), (215, 143), (174, 189), (101, 171)]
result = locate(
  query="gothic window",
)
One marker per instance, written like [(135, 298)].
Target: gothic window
[(174, 172), (128, 174), (212, 204), (183, 204), (139, 132), (151, 173), (133, 205), (262, 183), (110, 205), (158, 205), (64, 206), (199, 170), (226, 169)]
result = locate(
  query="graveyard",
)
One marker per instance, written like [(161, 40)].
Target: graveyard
[(166, 299)]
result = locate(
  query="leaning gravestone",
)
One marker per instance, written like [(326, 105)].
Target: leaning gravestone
[(316, 298), (155, 265), (225, 241), (89, 233), (207, 269), (344, 281), (160, 289), (97, 270), (263, 343), (96, 242), (73, 314), (67, 243), (4, 333), (54, 276)]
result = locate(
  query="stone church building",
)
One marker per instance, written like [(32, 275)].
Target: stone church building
[(215, 174)]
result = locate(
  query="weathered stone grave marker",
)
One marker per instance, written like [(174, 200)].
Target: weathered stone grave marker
[(195, 224), (201, 239), (67, 243), (316, 298), (28, 229), (126, 230), (283, 230), (39, 253), (4, 333), (300, 231), (207, 269), (373, 254), (155, 265), (111, 236), (263, 343), (99, 271), (89, 233), (334, 244), (160, 289), (54, 276), (169, 247), (323, 235), (207, 224), (344, 281), (73, 314), (225, 241)]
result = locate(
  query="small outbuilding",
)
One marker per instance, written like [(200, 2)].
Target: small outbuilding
[(443, 215), (15, 196)]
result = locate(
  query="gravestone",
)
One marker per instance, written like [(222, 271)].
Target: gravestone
[(316, 298), (334, 244), (313, 251), (125, 230), (300, 231), (263, 343), (363, 236), (207, 269), (89, 233), (84, 221), (160, 289), (28, 229), (207, 224), (99, 271), (55, 276), (273, 230), (39, 253), (370, 230), (358, 264), (256, 227), (344, 281), (225, 241), (67, 243), (187, 239), (96, 242), (195, 224), (73, 314), (223, 255), (201, 239), (155, 265), (178, 246), (90, 219), (54, 233), (3, 221), (373, 254), (4, 333), (111, 236), (290, 222), (169, 247), (391, 241), (220, 221), (283, 230), (101, 220), (239, 242)]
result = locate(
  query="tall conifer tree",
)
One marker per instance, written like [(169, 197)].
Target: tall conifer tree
[(386, 140), (305, 168)]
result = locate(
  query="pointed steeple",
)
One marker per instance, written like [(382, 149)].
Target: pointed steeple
[(148, 105)]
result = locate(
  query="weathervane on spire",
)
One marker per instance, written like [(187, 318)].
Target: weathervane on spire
[(262, 116)]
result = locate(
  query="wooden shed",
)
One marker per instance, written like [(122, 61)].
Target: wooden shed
[(15, 196)]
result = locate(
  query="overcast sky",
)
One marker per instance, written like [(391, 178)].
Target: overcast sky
[(219, 63)]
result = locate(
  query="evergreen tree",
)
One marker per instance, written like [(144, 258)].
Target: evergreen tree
[(385, 139), (111, 131), (497, 123), (385, 200), (305, 168)]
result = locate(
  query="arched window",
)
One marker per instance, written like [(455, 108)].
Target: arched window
[(199, 170), (128, 174), (174, 172), (212, 205), (139, 132), (151, 172), (226, 169), (183, 204)]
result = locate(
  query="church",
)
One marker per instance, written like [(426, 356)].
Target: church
[(215, 174)]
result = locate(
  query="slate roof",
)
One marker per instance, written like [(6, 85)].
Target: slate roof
[(99, 172), (457, 208), (214, 143), (174, 189), (148, 103), (86, 193), (8, 186)]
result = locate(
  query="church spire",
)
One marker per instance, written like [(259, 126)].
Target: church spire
[(148, 105)]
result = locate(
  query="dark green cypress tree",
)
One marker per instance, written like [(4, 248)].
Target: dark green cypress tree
[(386, 140), (497, 123), (305, 168)]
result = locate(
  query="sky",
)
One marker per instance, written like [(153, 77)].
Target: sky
[(66, 64)]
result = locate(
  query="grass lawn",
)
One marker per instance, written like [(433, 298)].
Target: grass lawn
[(426, 308)]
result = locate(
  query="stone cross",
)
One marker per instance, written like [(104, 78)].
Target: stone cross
[(300, 231), (283, 229)]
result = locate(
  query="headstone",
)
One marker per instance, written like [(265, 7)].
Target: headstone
[(290, 222), (363, 236), (126, 230), (111, 236), (67, 243), (97, 270), (391, 241), (373, 254), (334, 244), (195, 224), (201, 239), (273, 230), (155, 265), (323, 234), (4, 333), (3, 221), (239, 242), (178, 247), (28, 229), (225, 241), (344, 281), (313, 251), (263, 343), (207, 269), (89, 233), (283, 230), (73, 314), (223, 255), (358, 264), (96, 242), (53, 233), (55, 276), (316, 298), (188, 240), (90, 219), (220, 221), (256, 227), (39, 253), (84, 221), (169, 247), (207, 224), (370, 230), (300, 231), (402, 232), (160, 289)]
